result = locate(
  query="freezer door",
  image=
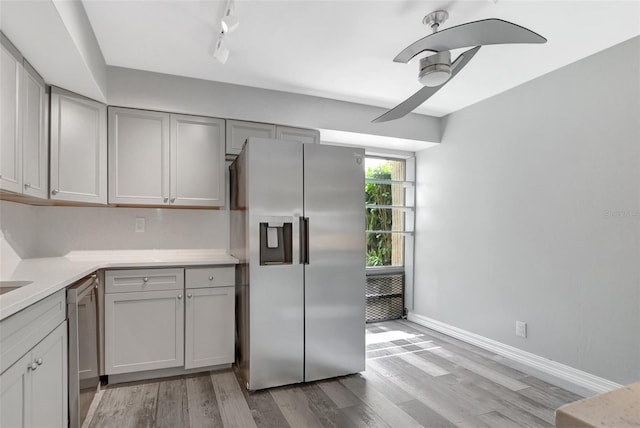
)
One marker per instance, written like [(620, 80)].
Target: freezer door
[(275, 282), (335, 273)]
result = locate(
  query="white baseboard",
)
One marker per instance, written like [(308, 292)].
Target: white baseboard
[(570, 375)]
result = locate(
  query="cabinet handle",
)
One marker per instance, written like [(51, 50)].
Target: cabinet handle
[(211, 278), (39, 361), (166, 200), (189, 295), (145, 279), (27, 185), (33, 366), (173, 200), (0, 176), (179, 296), (54, 191)]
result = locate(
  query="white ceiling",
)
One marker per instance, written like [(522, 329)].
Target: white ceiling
[(344, 49)]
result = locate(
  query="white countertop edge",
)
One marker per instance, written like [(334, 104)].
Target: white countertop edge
[(50, 275)]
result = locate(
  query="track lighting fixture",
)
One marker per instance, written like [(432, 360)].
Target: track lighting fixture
[(229, 21), (220, 52)]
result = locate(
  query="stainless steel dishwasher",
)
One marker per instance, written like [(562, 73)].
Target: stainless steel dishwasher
[(83, 310)]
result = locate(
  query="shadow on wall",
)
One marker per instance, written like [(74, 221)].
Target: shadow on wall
[(51, 231)]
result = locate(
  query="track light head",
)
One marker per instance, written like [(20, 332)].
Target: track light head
[(229, 23), (220, 52)]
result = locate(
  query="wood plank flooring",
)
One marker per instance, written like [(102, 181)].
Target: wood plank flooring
[(415, 377)]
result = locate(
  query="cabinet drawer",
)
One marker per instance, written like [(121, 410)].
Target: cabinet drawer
[(203, 277), (126, 281), (23, 330)]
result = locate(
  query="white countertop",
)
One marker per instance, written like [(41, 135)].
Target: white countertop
[(49, 275)]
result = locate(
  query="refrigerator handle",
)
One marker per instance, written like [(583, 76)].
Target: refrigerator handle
[(304, 240)]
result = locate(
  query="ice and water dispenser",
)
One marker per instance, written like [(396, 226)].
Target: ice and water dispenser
[(276, 241)]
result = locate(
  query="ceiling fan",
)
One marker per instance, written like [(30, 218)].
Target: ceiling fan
[(437, 69)]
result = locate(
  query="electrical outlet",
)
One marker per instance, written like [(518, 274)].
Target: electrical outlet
[(140, 224), (521, 329)]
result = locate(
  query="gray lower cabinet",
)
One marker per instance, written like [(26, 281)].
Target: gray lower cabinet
[(33, 391), (143, 331), (157, 319), (209, 326), (33, 365), (144, 325)]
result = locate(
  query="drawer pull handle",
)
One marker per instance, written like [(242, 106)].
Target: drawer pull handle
[(211, 278), (39, 361), (33, 366), (145, 279), (189, 295), (179, 296)]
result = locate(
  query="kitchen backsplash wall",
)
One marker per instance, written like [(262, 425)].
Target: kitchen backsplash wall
[(49, 231)]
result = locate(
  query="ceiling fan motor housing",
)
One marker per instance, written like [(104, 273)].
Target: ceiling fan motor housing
[(435, 69)]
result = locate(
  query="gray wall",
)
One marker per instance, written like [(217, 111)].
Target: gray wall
[(156, 91), (530, 210), (35, 231)]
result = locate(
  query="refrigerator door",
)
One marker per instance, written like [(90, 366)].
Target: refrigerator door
[(335, 273), (275, 283)]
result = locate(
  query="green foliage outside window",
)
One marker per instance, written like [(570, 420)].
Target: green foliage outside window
[(379, 244)]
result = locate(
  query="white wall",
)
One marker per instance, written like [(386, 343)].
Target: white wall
[(36, 231), (529, 210)]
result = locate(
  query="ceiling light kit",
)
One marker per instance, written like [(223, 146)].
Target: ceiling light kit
[(228, 23), (436, 69)]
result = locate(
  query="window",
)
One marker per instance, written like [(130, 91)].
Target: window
[(389, 211)]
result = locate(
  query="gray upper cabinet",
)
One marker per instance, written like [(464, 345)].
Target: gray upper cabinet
[(11, 117), (138, 157), (197, 161), (165, 159), (238, 132), (34, 134), (23, 126), (78, 170), (300, 135)]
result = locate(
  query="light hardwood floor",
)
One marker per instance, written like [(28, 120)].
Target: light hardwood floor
[(414, 377)]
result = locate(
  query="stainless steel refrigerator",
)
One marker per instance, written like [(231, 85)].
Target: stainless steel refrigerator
[(297, 227)]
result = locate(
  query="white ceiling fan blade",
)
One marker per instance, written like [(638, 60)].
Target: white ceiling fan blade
[(408, 105), (478, 33)]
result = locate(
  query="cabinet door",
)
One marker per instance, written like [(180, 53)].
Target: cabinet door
[(144, 331), (239, 131), (10, 119), (138, 157), (48, 403), (197, 161), (298, 134), (209, 327), (33, 391), (14, 391), (34, 134), (78, 148)]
